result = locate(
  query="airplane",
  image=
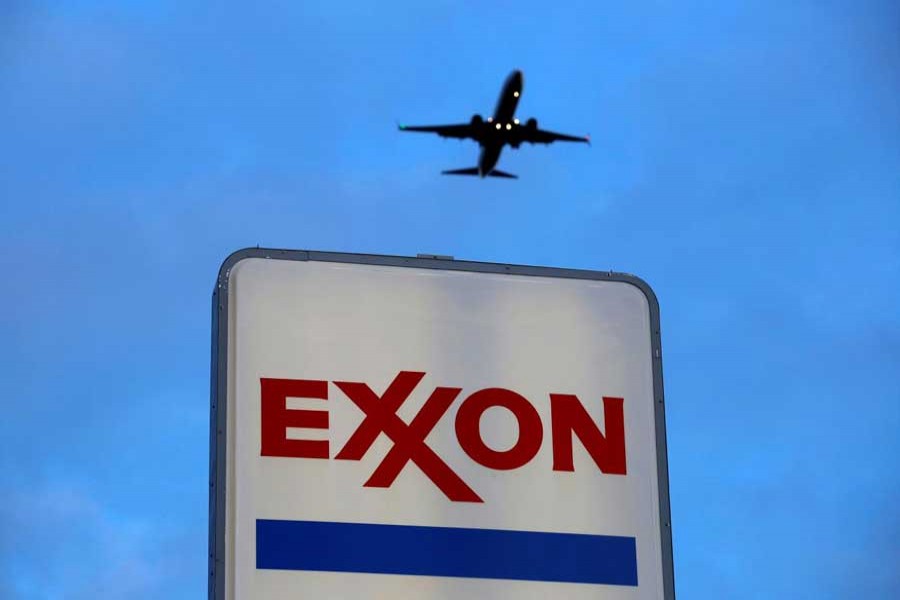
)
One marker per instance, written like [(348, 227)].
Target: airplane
[(497, 131)]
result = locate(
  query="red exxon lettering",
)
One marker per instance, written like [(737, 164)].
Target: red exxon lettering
[(468, 429), (569, 418), (276, 417), (409, 440)]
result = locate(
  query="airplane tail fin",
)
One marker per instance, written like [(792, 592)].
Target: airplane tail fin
[(474, 171)]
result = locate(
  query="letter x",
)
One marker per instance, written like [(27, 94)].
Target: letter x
[(409, 440)]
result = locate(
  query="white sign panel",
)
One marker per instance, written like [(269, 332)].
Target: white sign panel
[(387, 427)]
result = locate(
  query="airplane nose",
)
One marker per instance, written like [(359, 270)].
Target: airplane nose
[(517, 81)]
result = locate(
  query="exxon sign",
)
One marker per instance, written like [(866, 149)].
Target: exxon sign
[(388, 427)]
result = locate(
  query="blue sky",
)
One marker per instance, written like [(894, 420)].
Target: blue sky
[(746, 163)]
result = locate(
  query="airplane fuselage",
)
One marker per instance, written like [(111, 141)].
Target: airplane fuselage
[(497, 131)]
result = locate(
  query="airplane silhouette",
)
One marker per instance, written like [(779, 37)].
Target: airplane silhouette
[(501, 129)]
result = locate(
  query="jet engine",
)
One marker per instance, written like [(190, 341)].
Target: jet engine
[(531, 123), (477, 121)]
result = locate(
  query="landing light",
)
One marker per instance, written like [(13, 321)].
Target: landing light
[(498, 125), (508, 126), (516, 94), (490, 119), (516, 121)]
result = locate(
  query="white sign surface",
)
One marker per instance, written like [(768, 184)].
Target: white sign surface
[(473, 431)]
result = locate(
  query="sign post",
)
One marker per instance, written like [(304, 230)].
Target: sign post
[(390, 427)]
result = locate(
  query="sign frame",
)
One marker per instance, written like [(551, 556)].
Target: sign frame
[(219, 379)]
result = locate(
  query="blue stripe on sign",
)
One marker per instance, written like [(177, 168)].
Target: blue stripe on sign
[(445, 552)]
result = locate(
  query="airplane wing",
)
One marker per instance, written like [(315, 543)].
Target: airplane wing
[(541, 136), (461, 131)]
